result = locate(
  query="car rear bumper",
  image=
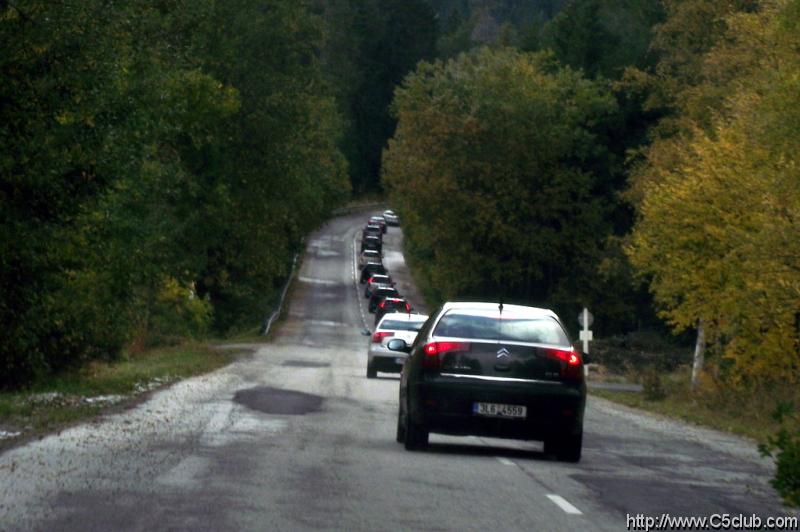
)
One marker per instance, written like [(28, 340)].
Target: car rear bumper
[(381, 359), (445, 405)]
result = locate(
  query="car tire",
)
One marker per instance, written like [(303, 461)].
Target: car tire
[(371, 373), (566, 448), (401, 431), (416, 437)]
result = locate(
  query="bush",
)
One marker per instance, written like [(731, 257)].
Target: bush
[(640, 351), (653, 388), (785, 448), (178, 313)]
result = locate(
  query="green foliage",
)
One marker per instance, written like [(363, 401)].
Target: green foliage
[(785, 448), (602, 37), (147, 145), (176, 313), (653, 389), (497, 169), (369, 46)]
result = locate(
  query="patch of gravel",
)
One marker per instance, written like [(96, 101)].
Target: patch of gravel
[(738, 446), (148, 386)]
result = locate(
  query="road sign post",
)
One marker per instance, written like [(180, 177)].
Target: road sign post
[(585, 319)]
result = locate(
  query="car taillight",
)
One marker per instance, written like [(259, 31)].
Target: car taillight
[(369, 280), (435, 351), (408, 308), (571, 362), (383, 304), (378, 336)]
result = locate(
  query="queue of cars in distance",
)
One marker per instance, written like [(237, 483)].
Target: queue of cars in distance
[(384, 298)]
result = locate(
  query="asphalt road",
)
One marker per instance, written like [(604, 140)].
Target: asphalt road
[(295, 437)]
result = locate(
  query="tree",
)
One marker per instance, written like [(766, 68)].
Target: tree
[(720, 207), (603, 37), (493, 170), (370, 45)]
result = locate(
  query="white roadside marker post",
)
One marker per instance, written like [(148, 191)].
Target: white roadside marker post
[(585, 319)]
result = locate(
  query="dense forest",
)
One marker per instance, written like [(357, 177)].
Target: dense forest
[(160, 164), (162, 161)]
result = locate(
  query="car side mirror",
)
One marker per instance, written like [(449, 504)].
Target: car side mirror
[(398, 344)]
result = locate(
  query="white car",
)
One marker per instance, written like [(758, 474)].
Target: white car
[(392, 325), (391, 218), (369, 255)]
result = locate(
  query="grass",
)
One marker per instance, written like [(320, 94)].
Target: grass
[(744, 412), (57, 402)]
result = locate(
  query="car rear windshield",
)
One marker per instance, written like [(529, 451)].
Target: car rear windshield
[(380, 279), (386, 291), (506, 328), (401, 325)]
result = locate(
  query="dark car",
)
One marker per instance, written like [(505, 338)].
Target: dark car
[(391, 304), (372, 230), (489, 370), (372, 242), (378, 220), (370, 269), (379, 294)]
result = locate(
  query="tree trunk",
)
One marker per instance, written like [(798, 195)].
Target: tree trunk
[(699, 354)]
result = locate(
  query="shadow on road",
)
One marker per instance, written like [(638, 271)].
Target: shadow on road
[(485, 450)]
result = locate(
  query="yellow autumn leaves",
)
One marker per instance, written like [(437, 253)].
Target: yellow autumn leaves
[(719, 227)]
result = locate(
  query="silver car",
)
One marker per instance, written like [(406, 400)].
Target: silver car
[(377, 280), (391, 218), (369, 255), (392, 325)]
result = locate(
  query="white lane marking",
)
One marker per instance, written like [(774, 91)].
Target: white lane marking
[(327, 323), (505, 461), (562, 503), (315, 281)]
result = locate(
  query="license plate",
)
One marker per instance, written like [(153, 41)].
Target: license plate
[(499, 410)]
